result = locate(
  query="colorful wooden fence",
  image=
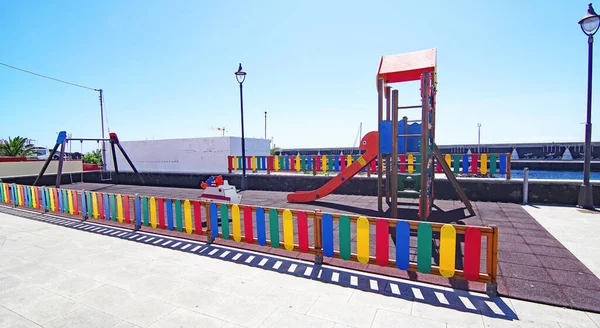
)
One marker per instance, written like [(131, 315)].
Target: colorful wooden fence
[(484, 164), (378, 241)]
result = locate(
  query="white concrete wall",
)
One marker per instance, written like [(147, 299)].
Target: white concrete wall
[(13, 169), (193, 155)]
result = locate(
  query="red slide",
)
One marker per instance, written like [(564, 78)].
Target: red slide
[(370, 144)]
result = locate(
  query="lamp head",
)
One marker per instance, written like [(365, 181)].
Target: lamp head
[(590, 21), (240, 75)]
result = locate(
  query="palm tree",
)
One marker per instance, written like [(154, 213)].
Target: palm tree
[(17, 147)]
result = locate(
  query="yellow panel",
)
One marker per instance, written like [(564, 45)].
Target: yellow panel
[(361, 161), (288, 230), (153, 222), (348, 160), (447, 250), (253, 168), (187, 214), (235, 220), (362, 239), (120, 208), (483, 164), (34, 201), (276, 163), (324, 163), (52, 204), (235, 163), (297, 163), (94, 204), (70, 196), (19, 197), (411, 159), (448, 159)]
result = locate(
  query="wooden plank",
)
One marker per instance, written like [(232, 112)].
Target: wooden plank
[(424, 247), (447, 250), (236, 223), (261, 231), (248, 228), (362, 240), (344, 237), (472, 251), (452, 178), (274, 227), (288, 230), (187, 216), (382, 242), (402, 245), (327, 228)]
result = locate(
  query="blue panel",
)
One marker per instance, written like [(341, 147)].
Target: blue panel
[(60, 200), (106, 207), (385, 137), (414, 142), (27, 195), (15, 198), (336, 163), (402, 245), (502, 163), (260, 226), (327, 225), (62, 135), (138, 211), (214, 220), (309, 163), (169, 204), (263, 160), (401, 130), (465, 164), (287, 162), (83, 205)]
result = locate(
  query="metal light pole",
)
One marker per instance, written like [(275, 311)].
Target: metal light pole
[(589, 25), (240, 76), (265, 125), (478, 137)]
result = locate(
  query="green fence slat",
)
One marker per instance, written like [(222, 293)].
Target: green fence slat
[(345, 249), (224, 221), (456, 164), (418, 164), (113, 207), (88, 198), (145, 211), (493, 158), (178, 215), (274, 227), (424, 240)]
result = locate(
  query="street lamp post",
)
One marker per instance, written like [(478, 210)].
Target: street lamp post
[(478, 137), (589, 25), (240, 76)]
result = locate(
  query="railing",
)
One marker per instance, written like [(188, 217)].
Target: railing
[(379, 241), (460, 164)]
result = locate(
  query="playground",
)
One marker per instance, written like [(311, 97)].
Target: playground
[(402, 232)]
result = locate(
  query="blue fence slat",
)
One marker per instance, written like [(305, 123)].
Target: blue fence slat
[(465, 164), (260, 226), (502, 163), (402, 245), (106, 207), (138, 211), (83, 204), (169, 204), (214, 220), (327, 225)]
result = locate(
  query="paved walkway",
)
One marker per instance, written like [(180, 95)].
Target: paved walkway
[(55, 276), (533, 264)]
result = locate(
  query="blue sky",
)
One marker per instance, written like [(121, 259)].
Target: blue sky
[(518, 67)]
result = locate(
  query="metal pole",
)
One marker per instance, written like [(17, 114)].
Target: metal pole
[(586, 195), (243, 184), (265, 125), (102, 122), (525, 185), (478, 137)]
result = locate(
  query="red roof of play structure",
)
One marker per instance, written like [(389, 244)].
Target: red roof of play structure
[(406, 67)]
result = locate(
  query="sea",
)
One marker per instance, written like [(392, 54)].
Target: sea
[(554, 175)]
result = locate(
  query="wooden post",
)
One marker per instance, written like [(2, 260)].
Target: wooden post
[(491, 288), (379, 156), (318, 235), (508, 166), (394, 168), (314, 164), (388, 106), (424, 141), (209, 238)]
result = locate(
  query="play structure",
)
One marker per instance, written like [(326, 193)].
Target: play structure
[(399, 138), (219, 189), (62, 140)]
